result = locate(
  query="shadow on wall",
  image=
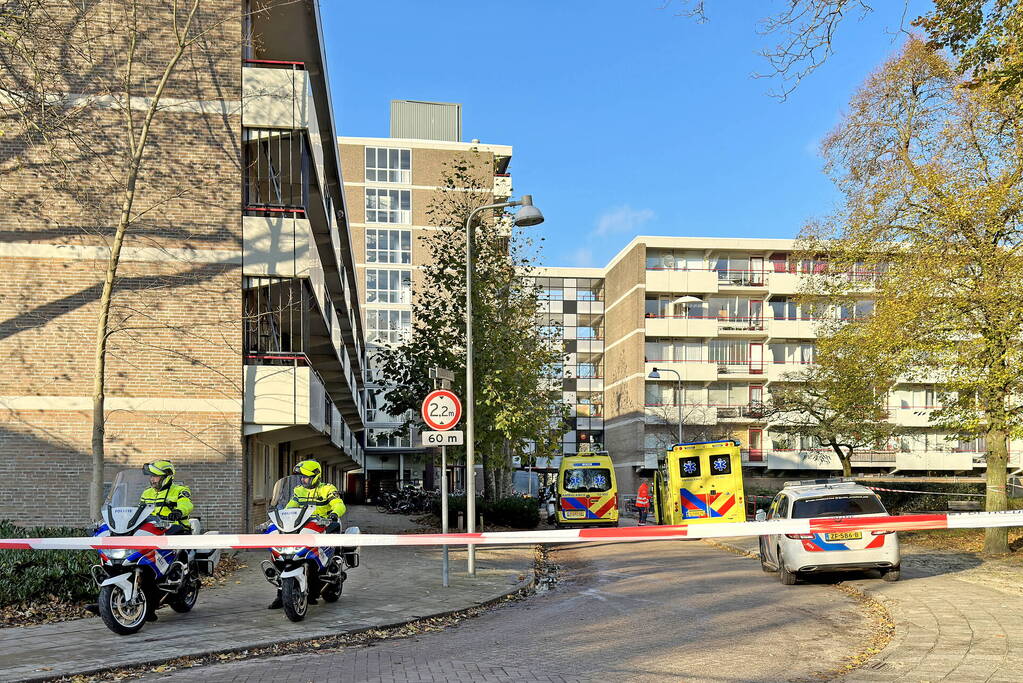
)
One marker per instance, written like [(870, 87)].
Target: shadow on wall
[(47, 312)]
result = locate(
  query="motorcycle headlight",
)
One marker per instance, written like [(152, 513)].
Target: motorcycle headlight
[(289, 550), (116, 553)]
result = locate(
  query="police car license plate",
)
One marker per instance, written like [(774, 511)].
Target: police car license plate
[(844, 536), (575, 514)]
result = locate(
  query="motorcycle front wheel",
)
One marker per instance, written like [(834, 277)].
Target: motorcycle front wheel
[(295, 600), (120, 616), (186, 598)]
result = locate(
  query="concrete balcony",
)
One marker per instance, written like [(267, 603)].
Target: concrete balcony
[(934, 460), (290, 403), (691, 371), (911, 417), (775, 372), (282, 98), (681, 327), (691, 415), (502, 186), (681, 281), (279, 247), (791, 329), (784, 283)]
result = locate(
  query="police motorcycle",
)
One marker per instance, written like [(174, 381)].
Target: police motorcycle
[(129, 579), (302, 573)]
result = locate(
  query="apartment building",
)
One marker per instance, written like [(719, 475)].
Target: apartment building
[(237, 338), (573, 315), (719, 321), (390, 184)]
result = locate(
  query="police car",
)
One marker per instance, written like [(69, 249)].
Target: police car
[(794, 554)]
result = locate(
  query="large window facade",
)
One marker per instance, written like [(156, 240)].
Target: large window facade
[(386, 326), (387, 286), (385, 165), (388, 206), (388, 246)]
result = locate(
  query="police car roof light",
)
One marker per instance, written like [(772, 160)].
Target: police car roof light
[(821, 482)]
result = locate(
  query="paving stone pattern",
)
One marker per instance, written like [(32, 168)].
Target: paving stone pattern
[(392, 585), (956, 619)]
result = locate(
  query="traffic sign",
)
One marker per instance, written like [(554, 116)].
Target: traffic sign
[(441, 410), (449, 438)]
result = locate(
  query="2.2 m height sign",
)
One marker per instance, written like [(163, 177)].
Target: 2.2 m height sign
[(441, 410)]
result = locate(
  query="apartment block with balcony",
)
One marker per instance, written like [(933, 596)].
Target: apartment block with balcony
[(720, 322), (573, 314), (390, 183), (235, 343)]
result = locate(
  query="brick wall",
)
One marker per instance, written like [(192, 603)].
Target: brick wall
[(174, 381)]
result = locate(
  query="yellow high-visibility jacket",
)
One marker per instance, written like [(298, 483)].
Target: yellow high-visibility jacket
[(174, 497), (325, 497)]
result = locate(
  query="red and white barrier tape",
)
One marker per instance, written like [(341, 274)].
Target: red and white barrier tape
[(959, 520), (928, 493)]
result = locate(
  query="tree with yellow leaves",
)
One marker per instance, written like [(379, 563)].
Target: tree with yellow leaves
[(932, 176)]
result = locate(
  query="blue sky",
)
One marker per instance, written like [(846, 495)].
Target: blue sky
[(625, 118)]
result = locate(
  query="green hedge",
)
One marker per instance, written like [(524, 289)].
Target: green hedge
[(514, 511), (28, 574)]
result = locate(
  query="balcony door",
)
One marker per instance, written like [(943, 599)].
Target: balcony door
[(756, 445), (756, 358)]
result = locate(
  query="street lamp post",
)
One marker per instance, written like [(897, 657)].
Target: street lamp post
[(656, 374), (527, 216)]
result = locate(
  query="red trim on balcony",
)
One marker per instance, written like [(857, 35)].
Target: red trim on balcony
[(275, 62)]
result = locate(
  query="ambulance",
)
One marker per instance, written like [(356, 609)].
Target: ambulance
[(587, 493), (698, 483)]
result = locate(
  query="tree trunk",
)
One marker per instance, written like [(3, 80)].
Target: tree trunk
[(844, 457), (137, 147), (996, 540), (488, 480)]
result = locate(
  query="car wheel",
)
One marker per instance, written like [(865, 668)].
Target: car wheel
[(787, 578), (763, 564), (892, 575)]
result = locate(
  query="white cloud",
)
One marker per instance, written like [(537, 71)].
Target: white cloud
[(621, 219), (582, 257)]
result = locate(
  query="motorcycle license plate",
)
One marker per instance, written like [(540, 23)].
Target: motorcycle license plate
[(575, 514), (844, 536)]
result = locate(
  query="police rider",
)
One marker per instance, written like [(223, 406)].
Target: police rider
[(326, 499)]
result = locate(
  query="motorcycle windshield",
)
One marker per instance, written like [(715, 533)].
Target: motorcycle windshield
[(289, 492), (127, 488)]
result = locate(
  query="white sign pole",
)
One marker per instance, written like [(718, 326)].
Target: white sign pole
[(444, 510)]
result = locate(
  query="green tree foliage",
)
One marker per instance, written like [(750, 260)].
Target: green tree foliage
[(519, 411), (840, 401), (932, 177)]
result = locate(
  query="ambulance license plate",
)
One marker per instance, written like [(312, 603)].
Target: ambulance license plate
[(844, 536), (575, 514)]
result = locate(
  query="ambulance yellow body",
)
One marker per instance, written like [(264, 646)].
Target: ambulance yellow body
[(700, 483), (587, 491)]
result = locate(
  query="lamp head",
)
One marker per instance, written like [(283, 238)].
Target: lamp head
[(654, 374), (528, 215)]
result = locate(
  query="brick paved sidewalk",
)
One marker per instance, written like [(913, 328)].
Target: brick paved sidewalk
[(957, 618), (392, 585)]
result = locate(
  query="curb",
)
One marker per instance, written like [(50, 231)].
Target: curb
[(521, 588)]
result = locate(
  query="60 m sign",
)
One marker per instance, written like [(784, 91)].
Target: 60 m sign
[(441, 410)]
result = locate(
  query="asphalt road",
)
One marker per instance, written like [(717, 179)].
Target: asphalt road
[(664, 611)]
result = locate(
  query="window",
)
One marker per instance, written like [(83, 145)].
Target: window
[(720, 464), (383, 438), (586, 370), (689, 467), (263, 471), (784, 309), (588, 480), (728, 351), (388, 165), (388, 206), (837, 506), (388, 246), (388, 286), (386, 326)]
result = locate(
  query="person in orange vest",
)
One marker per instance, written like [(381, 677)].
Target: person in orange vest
[(643, 500)]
